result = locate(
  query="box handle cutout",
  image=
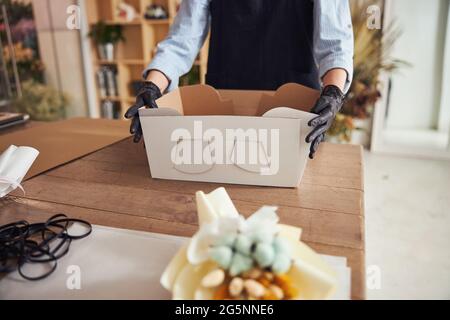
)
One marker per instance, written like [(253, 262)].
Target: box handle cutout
[(191, 168), (262, 154), (262, 160)]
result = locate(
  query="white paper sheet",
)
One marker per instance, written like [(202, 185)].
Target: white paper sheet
[(14, 165), (119, 264), (343, 272)]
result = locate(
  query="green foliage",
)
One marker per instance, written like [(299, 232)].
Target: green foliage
[(28, 63), (24, 37), (191, 78), (342, 127), (102, 33), (41, 102), (18, 10)]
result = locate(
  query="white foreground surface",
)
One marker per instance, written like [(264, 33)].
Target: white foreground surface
[(408, 226), (119, 264)]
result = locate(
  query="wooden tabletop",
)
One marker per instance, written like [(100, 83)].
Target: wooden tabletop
[(113, 187)]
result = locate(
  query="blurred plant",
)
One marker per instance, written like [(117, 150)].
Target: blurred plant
[(25, 31), (371, 58), (342, 127), (41, 102), (191, 78), (24, 38), (102, 33), (18, 10), (28, 64)]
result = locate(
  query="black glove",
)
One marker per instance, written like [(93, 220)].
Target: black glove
[(146, 96), (327, 106)]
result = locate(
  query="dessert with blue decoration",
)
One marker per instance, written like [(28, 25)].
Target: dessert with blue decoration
[(236, 258)]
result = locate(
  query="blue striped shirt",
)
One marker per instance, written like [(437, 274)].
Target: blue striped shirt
[(333, 39)]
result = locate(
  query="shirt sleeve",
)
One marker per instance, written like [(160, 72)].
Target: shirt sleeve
[(333, 37), (176, 54)]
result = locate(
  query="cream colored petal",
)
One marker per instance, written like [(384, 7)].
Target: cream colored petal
[(189, 279), (290, 232), (211, 206), (222, 203), (209, 234), (310, 274), (205, 211), (198, 250), (265, 213), (204, 293), (311, 283), (174, 267)]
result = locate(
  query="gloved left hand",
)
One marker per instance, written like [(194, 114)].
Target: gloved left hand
[(146, 97), (327, 106)]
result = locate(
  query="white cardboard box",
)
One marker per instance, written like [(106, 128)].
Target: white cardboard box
[(230, 136)]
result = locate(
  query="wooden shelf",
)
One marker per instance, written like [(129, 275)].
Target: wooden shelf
[(124, 22), (157, 21), (142, 36), (129, 99), (110, 99), (123, 61), (137, 22), (120, 22)]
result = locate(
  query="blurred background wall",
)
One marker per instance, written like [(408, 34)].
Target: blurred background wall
[(399, 102), (418, 100), (60, 50)]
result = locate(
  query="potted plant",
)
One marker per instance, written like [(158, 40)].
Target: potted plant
[(371, 57), (41, 102), (106, 37)]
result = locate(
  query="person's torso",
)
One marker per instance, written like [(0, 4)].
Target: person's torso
[(261, 44)]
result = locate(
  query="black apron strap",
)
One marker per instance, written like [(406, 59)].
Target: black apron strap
[(261, 44)]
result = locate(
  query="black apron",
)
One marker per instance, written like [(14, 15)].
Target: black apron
[(261, 44)]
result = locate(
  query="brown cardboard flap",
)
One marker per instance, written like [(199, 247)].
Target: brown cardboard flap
[(197, 100), (290, 95), (63, 141), (205, 100), (245, 102), (171, 100)]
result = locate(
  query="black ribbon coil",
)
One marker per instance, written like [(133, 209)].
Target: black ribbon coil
[(23, 244)]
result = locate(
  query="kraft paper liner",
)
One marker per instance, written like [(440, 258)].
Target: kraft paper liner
[(206, 101), (290, 95), (64, 141)]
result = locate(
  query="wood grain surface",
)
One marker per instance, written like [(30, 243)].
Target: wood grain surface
[(113, 187)]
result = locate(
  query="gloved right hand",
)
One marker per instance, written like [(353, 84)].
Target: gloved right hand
[(146, 96), (327, 106)]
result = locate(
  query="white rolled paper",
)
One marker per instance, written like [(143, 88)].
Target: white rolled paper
[(14, 165)]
